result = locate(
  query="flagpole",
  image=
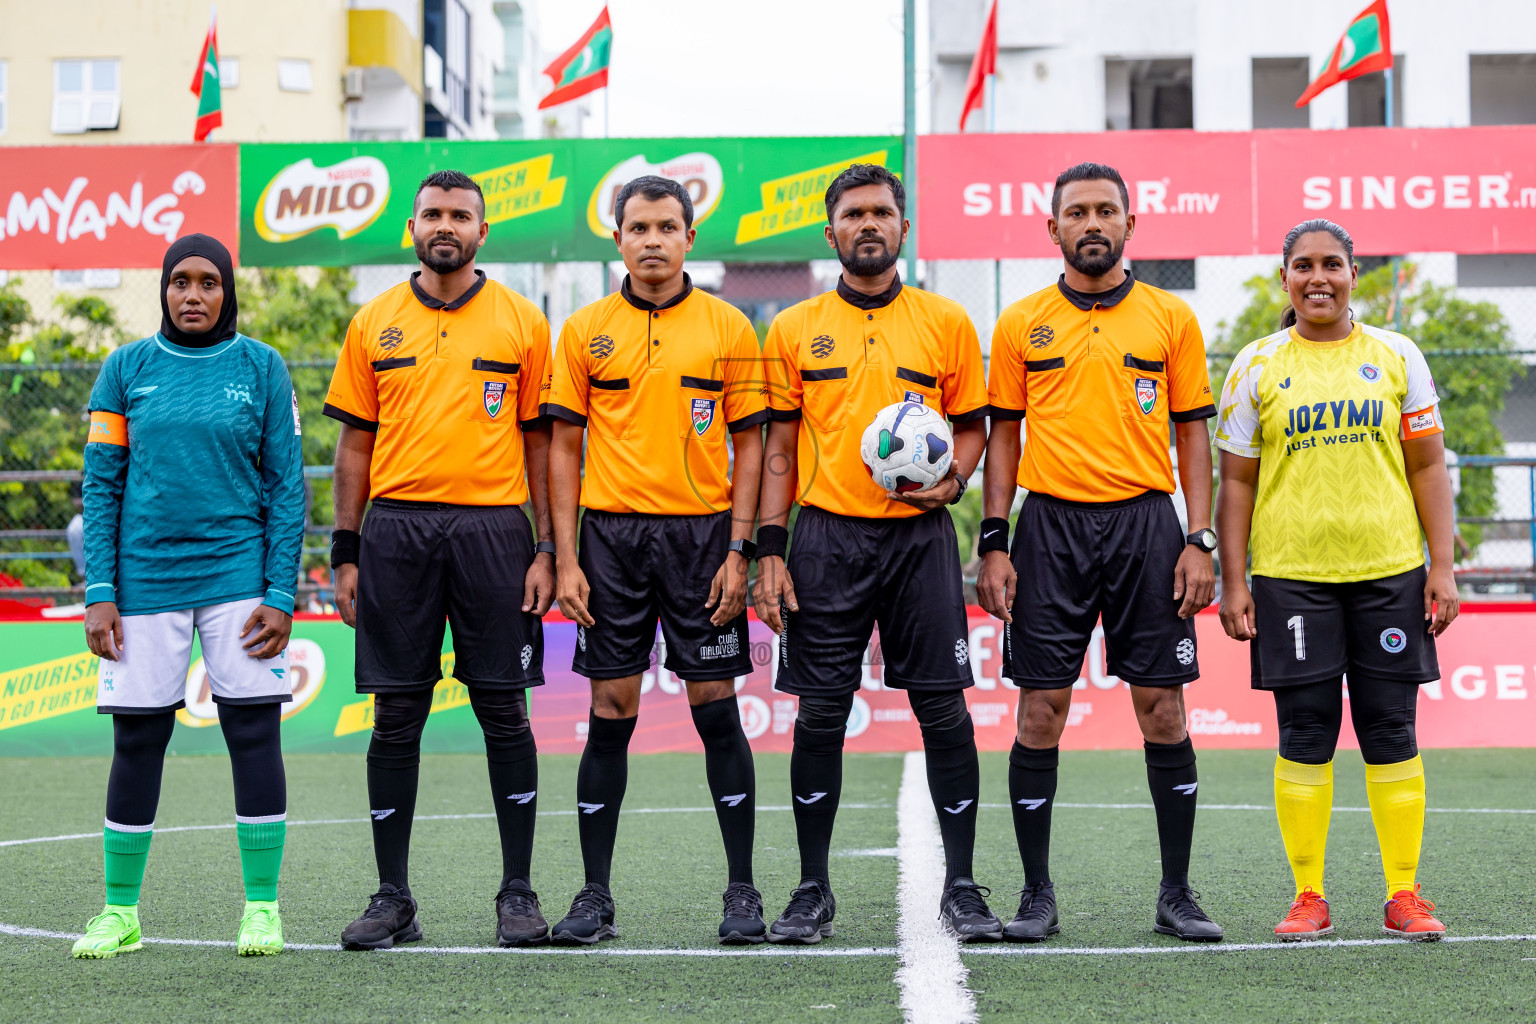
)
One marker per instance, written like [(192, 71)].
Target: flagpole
[(1397, 261), (909, 136), (997, 264)]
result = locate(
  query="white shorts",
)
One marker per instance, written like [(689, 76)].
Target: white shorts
[(151, 672)]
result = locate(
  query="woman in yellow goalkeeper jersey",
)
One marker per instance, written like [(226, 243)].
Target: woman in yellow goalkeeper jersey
[(1332, 459)]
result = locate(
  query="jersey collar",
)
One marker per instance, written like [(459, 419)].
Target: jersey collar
[(432, 302), (863, 301), (1087, 300), (648, 306)]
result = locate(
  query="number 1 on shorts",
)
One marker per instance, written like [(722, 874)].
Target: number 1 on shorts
[(1298, 626)]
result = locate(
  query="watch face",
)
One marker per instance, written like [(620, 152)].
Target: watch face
[(1207, 539)]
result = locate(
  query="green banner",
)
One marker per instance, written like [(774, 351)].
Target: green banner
[(48, 698), (336, 204)]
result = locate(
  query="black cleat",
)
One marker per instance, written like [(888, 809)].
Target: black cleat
[(808, 918), (590, 919), (1036, 920), (1178, 914), (518, 920), (964, 911), (390, 918), (743, 922)]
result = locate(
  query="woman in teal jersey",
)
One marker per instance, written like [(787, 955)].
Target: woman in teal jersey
[(194, 522)]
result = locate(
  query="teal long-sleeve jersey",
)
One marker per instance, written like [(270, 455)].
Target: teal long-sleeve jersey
[(195, 496)]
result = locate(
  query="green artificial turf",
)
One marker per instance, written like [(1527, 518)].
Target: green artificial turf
[(669, 872)]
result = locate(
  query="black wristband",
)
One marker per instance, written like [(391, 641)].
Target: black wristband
[(345, 547), (993, 536), (544, 547), (772, 542)]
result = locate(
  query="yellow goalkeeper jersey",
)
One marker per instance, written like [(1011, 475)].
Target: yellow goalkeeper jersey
[(1326, 420)]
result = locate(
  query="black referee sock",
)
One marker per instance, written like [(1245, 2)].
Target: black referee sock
[(954, 781), (514, 769), (1031, 792), (392, 777), (600, 784), (1172, 778), (732, 780), (816, 786)]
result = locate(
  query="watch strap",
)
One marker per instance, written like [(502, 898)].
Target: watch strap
[(544, 547)]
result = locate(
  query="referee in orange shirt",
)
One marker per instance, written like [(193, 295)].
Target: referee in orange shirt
[(658, 377), (438, 391), (1098, 364), (863, 555)]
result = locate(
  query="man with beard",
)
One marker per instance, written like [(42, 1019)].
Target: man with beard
[(664, 382), (863, 555), (438, 391), (1099, 363)]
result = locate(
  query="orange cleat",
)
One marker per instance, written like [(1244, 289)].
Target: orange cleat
[(1307, 920), (1408, 915)]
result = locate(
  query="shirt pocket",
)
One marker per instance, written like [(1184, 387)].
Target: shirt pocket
[(702, 408), (1145, 391), (1047, 388), (916, 386), (398, 383), (824, 395), (610, 406), (492, 391)]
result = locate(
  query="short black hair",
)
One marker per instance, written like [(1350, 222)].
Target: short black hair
[(865, 174), (1088, 172), (652, 187), (449, 180)]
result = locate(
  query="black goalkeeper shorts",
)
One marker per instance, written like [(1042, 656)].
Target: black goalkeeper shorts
[(427, 564)]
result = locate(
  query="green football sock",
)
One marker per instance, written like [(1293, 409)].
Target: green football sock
[(261, 853), (126, 854)]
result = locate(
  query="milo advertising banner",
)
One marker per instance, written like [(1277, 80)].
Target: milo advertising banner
[(757, 200)]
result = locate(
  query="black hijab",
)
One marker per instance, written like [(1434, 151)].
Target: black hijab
[(212, 250)]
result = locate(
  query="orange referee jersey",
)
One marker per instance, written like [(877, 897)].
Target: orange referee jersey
[(446, 386), (836, 360), (658, 388), (1098, 377)]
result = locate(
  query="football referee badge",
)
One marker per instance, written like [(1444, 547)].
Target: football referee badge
[(495, 391), (703, 415), (1146, 393)]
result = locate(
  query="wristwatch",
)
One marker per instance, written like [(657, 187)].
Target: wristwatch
[(544, 547), (1205, 540), (959, 491), (745, 548)]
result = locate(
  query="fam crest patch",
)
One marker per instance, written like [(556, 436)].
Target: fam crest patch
[(703, 415), (389, 337), (1146, 394), (1041, 336), (822, 346), (601, 346), (495, 392)]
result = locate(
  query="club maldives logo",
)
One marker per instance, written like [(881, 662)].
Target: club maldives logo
[(1369, 372), (699, 173), (301, 198), (1394, 640)]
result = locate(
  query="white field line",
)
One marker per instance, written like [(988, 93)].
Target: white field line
[(930, 974), (1270, 808), (1219, 947), (422, 817)]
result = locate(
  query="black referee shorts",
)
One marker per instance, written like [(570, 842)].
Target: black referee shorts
[(644, 567), (851, 573), (424, 564), (1309, 631), (1078, 561)]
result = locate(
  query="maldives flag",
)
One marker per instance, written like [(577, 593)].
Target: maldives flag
[(205, 85), (1366, 46), (984, 64), (582, 68)]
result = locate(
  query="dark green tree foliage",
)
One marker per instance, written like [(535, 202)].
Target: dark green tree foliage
[(1468, 346)]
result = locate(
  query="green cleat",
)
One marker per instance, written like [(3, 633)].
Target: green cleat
[(261, 929), (115, 930)]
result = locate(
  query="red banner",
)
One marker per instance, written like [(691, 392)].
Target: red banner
[(78, 207), (1487, 697), (1397, 190)]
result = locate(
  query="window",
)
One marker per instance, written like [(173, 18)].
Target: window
[(294, 76), (1503, 88), (1277, 83), (2, 98), (1505, 270), (229, 73), (1149, 94), (1368, 97), (1170, 275), (86, 96)]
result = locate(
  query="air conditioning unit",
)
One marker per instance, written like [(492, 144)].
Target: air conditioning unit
[(352, 84)]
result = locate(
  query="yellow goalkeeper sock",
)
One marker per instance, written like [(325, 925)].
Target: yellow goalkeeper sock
[(1303, 803), (1396, 794)]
